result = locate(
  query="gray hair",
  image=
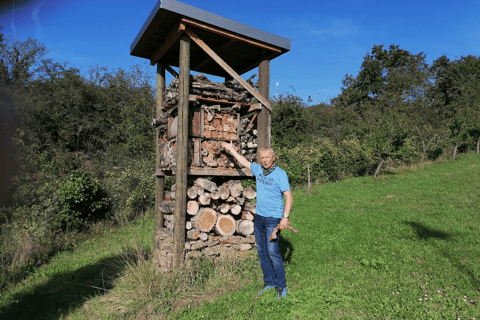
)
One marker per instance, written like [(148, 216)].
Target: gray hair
[(267, 149)]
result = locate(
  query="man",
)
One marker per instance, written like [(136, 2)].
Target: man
[(272, 186)]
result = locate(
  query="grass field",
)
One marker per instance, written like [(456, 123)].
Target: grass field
[(403, 246)]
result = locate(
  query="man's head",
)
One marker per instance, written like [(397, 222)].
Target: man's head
[(267, 157)]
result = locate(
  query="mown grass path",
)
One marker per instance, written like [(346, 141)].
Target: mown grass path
[(403, 246)]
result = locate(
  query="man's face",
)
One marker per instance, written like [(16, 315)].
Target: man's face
[(266, 159)]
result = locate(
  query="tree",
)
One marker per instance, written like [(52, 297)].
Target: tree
[(20, 60), (384, 95), (385, 77), (289, 121), (456, 98)]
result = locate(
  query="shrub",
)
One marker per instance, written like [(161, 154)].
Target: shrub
[(81, 201)]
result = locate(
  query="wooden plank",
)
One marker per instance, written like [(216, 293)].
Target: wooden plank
[(222, 48), (196, 132), (159, 180), (254, 107), (227, 68), (167, 43), (182, 154), (223, 101), (197, 152), (228, 34), (200, 171)]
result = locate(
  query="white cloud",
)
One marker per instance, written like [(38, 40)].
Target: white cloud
[(36, 21), (338, 28)]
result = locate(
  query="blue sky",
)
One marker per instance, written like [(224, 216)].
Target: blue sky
[(329, 38)]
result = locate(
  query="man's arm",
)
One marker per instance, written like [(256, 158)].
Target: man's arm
[(287, 209), (241, 159)]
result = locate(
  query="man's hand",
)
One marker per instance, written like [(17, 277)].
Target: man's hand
[(283, 223), (228, 146), (231, 149)]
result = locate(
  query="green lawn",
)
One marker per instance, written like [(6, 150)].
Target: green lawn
[(403, 246)]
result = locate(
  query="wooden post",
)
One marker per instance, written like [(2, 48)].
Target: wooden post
[(182, 153), (159, 180), (263, 120)]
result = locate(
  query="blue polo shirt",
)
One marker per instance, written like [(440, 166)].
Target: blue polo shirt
[(270, 190)]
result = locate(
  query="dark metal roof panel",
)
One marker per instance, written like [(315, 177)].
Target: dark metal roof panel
[(212, 19)]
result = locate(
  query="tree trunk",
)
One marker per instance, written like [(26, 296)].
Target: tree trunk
[(240, 200), (250, 207), (423, 157), (478, 145), (192, 207), (215, 195), (247, 216), (235, 209), (380, 164), (245, 227), (204, 199), (225, 225), (206, 184), (204, 220), (194, 191), (308, 180), (235, 188), (224, 208), (193, 234), (455, 151), (249, 193), (224, 193)]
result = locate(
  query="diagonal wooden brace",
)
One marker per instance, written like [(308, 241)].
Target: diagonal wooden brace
[(227, 68)]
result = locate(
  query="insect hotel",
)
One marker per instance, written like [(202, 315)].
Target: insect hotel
[(207, 211)]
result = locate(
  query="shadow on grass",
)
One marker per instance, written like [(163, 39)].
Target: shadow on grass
[(54, 298), (286, 249), (426, 233)]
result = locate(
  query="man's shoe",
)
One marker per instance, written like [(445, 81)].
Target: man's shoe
[(282, 292), (265, 288)]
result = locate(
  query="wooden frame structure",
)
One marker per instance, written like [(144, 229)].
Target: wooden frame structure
[(179, 35)]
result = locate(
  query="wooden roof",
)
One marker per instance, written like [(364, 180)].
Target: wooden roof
[(242, 47)]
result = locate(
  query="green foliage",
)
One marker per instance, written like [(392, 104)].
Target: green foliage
[(81, 201), (289, 121), (130, 188), (327, 161), (19, 60)]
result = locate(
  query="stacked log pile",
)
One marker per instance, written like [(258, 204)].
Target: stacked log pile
[(200, 85), (218, 122), (217, 215)]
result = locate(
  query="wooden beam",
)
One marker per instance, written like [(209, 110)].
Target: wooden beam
[(228, 34), (201, 171), (223, 101), (160, 180), (224, 47), (172, 71), (150, 30), (167, 43), (182, 154), (227, 68), (257, 63), (263, 120)]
